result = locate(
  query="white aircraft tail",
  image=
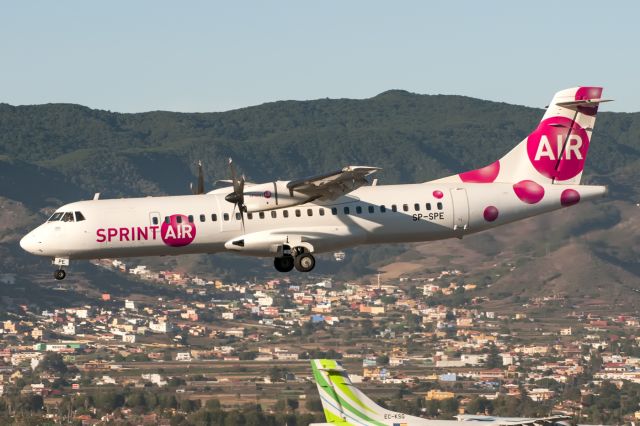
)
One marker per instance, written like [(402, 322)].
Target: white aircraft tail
[(555, 152), (345, 405)]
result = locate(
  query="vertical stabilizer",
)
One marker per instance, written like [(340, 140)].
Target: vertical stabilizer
[(555, 152)]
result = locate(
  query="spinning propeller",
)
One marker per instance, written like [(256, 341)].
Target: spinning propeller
[(237, 196), (200, 189)]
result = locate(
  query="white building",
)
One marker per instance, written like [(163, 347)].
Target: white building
[(183, 356), (69, 329), (160, 327), (129, 338)]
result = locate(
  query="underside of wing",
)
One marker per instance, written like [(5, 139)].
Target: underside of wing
[(330, 186)]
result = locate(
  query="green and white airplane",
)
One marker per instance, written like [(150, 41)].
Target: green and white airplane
[(346, 405)]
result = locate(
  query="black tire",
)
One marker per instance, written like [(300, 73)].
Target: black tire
[(283, 264), (305, 262), (59, 274)]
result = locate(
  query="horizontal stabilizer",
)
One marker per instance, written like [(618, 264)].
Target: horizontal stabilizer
[(583, 102)]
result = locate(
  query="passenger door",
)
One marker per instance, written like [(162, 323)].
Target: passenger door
[(460, 209)]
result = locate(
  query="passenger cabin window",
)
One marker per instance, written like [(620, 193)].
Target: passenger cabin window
[(428, 206), (214, 217), (309, 212), (80, 216), (416, 206), (405, 207), (249, 216), (55, 217), (383, 208), (202, 218), (321, 211), (274, 214), (167, 220), (154, 220), (261, 214), (371, 209), (179, 219), (67, 217), (190, 218), (298, 214), (334, 211), (359, 209), (346, 210), (238, 216), (394, 208), (439, 206), (285, 213), (225, 216)]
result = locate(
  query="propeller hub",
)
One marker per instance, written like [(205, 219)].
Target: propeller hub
[(234, 198)]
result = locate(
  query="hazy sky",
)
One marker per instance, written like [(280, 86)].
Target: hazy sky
[(132, 56)]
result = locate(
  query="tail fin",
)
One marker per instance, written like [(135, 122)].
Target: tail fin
[(555, 152), (344, 404)]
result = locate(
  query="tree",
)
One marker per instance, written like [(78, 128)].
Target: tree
[(382, 360), (480, 405), (293, 404), (314, 405), (494, 360), (53, 362)]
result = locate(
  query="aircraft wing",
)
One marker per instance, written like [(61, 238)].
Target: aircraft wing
[(332, 185), (515, 421)]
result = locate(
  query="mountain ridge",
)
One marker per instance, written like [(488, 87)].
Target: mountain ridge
[(56, 153)]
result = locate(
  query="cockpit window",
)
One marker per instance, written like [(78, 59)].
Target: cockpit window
[(80, 216), (67, 217), (55, 217)]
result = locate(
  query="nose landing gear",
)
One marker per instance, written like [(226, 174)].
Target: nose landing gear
[(60, 262)]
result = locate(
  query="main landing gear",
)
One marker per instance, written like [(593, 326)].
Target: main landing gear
[(297, 257), (61, 262)]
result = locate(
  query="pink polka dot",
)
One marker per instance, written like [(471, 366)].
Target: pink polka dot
[(569, 197), (545, 148), (490, 213), (438, 194), (486, 174), (528, 191)]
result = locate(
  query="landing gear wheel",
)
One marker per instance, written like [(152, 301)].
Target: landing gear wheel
[(305, 262), (59, 274), (283, 264)]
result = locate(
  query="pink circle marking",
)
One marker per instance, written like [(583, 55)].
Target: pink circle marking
[(545, 145), (569, 197), (528, 191), (267, 194), (490, 213), (438, 194), (486, 174), (176, 234), (584, 93)]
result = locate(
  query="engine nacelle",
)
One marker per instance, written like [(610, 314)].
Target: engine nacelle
[(265, 243), (272, 195)]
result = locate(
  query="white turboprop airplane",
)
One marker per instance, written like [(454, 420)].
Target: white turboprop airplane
[(345, 405), (292, 220)]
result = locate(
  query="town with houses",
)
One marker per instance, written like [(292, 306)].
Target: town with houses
[(224, 346)]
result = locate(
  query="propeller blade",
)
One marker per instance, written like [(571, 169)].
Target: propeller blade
[(200, 178)]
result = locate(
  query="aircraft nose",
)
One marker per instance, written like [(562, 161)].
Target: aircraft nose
[(29, 243)]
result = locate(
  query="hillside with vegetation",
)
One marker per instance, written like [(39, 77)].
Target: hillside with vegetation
[(55, 153)]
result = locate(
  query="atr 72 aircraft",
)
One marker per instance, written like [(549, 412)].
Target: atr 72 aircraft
[(292, 220), (345, 405)]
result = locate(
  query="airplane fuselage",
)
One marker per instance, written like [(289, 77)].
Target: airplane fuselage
[(156, 226)]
